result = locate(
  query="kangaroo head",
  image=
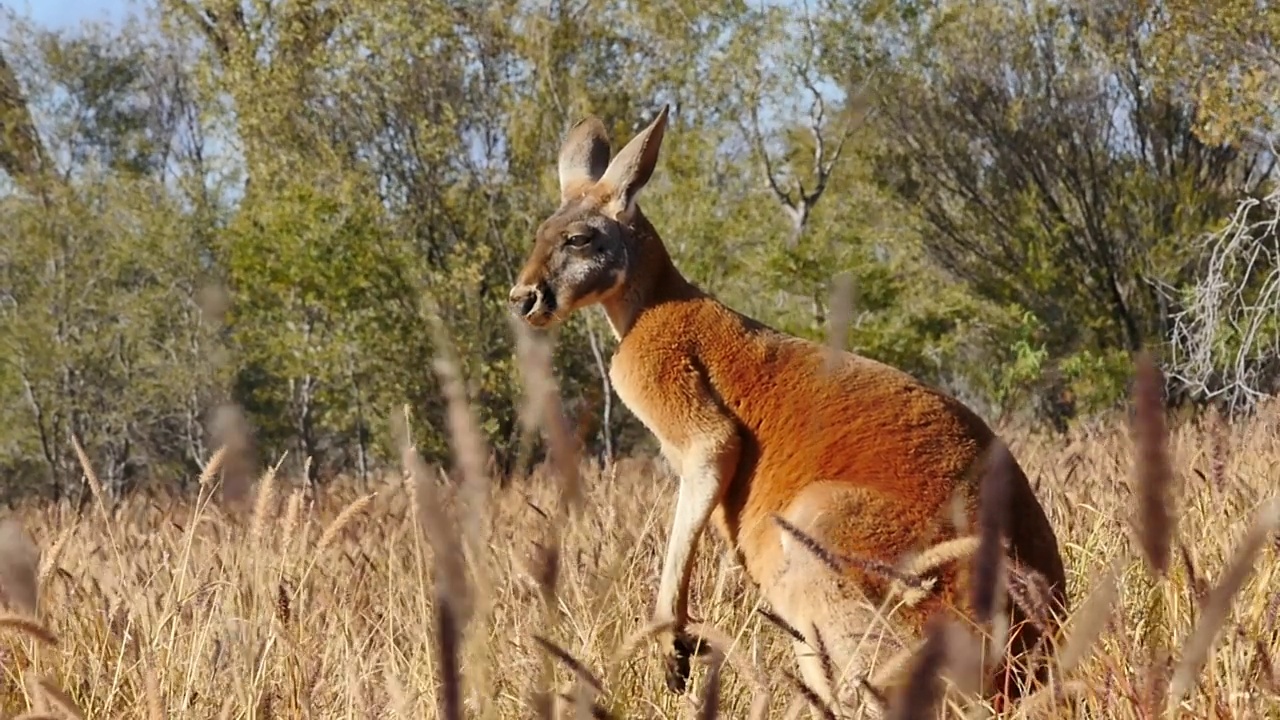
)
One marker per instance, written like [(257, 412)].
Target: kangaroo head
[(588, 249)]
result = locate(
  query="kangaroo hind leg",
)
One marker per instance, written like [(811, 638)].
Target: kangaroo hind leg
[(848, 632)]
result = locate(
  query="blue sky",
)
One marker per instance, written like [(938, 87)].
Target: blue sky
[(69, 13)]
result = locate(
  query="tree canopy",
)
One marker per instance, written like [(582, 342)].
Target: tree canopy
[(265, 205)]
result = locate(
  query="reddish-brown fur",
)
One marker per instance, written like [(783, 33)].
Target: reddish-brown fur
[(758, 424)]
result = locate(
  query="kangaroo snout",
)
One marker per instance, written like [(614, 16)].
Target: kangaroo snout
[(532, 303)]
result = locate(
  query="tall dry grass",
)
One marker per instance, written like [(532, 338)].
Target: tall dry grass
[(427, 597)]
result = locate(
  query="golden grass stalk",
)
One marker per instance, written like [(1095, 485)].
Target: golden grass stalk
[(947, 551), (806, 697), (962, 665), (542, 407), (401, 702), (284, 609), (95, 487), (1156, 519), (470, 449), (1088, 623), (1218, 602), (30, 627), (471, 454), (588, 685), (438, 528), (262, 506), (151, 690), (919, 696), (451, 605), (19, 569), (1219, 447), (993, 512), (838, 562), (826, 664), (542, 394), (1198, 586), (91, 477), (49, 562), (1263, 669), (710, 705), (1041, 702), (212, 467), (720, 646), (344, 518), (1030, 592), (292, 520), (919, 566), (888, 672), (449, 634), (546, 704), (230, 431), (839, 317), (581, 671), (781, 624), (629, 646), (59, 699)]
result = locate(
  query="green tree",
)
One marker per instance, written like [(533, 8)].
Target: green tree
[(1057, 171), (1225, 338), (321, 322), (101, 335)]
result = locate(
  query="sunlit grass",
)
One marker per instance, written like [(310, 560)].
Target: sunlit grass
[(325, 605)]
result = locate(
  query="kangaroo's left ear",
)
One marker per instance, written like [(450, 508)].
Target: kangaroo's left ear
[(584, 155), (633, 166)]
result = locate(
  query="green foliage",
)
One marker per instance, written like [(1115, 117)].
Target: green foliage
[(1223, 55), (1012, 189), (321, 315), (1040, 191), (101, 331), (107, 98), (1027, 363), (1098, 379)]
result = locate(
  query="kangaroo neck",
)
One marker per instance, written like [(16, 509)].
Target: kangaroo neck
[(654, 280)]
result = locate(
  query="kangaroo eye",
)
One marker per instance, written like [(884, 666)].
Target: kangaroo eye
[(578, 240)]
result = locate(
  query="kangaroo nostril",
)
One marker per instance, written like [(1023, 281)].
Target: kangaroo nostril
[(528, 302)]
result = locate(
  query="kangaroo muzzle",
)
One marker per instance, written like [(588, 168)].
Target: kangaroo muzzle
[(535, 304)]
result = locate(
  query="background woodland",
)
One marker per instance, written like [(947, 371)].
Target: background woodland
[(226, 215)]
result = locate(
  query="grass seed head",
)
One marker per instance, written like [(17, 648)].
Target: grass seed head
[(1156, 519)]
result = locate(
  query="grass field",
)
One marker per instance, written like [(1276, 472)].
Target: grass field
[(321, 606)]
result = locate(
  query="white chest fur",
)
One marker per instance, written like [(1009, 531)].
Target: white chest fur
[(640, 400)]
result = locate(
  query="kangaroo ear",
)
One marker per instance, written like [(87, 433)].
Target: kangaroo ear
[(584, 155), (634, 164)]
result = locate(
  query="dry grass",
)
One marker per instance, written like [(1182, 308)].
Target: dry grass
[(340, 605)]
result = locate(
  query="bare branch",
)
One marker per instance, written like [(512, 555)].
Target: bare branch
[(829, 136), (1224, 341), (755, 135), (209, 24), (823, 165)]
